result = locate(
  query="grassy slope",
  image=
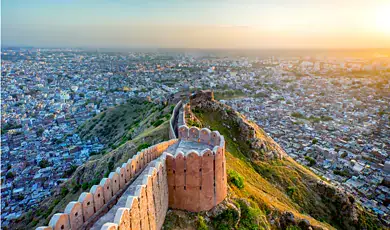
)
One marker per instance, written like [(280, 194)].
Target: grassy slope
[(101, 164), (274, 186), (271, 197)]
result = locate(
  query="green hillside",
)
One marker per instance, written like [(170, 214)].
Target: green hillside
[(268, 189)]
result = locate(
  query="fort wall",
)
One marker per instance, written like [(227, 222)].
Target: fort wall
[(79, 214), (170, 174)]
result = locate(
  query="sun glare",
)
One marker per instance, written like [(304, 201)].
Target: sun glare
[(383, 19)]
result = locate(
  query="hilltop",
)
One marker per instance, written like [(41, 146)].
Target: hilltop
[(267, 188)]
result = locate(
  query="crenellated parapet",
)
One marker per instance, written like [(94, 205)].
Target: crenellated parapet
[(187, 172), (197, 180), (81, 213)]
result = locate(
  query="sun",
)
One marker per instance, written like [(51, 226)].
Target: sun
[(383, 19)]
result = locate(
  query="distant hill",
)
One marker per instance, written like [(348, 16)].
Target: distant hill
[(267, 188)]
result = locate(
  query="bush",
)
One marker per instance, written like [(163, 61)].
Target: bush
[(202, 224), (236, 179), (143, 146), (250, 215), (64, 191), (310, 160), (157, 123), (44, 163), (9, 175), (291, 190), (226, 220)]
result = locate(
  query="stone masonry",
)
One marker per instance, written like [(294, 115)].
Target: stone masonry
[(187, 172)]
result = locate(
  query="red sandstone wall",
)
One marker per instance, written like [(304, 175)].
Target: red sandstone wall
[(197, 181), (78, 213)]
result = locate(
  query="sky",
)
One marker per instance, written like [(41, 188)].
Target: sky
[(210, 24)]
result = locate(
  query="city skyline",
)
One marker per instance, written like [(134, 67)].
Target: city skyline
[(215, 24)]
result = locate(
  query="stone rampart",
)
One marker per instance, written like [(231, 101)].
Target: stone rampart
[(197, 181), (188, 173), (174, 120), (81, 213)]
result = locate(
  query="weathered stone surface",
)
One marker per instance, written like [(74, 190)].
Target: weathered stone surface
[(193, 182), (122, 174), (179, 172), (107, 189), (127, 168), (219, 181), (86, 200), (205, 136), (60, 221), (143, 206), (122, 218), (207, 200), (133, 204), (183, 132), (75, 212), (193, 134), (114, 177), (215, 138), (98, 197), (109, 226)]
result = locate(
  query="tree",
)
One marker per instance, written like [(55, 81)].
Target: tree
[(44, 163), (9, 175)]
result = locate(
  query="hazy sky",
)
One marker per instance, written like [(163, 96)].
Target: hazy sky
[(197, 23)]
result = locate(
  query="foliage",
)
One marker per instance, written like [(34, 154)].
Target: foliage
[(158, 122), (226, 220), (250, 215), (9, 175), (310, 160), (44, 163), (201, 223), (297, 115), (143, 146), (235, 179)]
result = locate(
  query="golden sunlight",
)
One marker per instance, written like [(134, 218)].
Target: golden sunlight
[(383, 19)]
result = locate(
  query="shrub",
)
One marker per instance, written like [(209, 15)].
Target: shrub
[(291, 190), (236, 179), (64, 191), (314, 141), (202, 224), (43, 163), (297, 115), (250, 215), (226, 220), (143, 146), (310, 160), (157, 123)]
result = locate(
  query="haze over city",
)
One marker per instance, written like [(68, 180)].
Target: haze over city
[(204, 114), (197, 24)]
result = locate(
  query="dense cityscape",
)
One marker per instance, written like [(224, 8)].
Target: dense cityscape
[(330, 114)]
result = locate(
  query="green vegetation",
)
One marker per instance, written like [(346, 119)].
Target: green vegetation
[(9, 175), (44, 163), (228, 94), (310, 160), (143, 146), (158, 122), (8, 126), (343, 173), (235, 178), (201, 223)]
